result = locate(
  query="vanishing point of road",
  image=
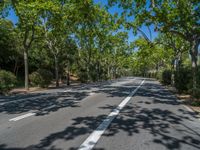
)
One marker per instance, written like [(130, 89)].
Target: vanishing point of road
[(129, 113)]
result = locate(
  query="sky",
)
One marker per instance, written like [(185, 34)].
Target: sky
[(112, 10)]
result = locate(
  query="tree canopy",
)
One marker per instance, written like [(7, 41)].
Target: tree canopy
[(84, 39)]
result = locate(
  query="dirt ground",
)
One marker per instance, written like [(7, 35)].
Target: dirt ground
[(186, 98), (21, 90)]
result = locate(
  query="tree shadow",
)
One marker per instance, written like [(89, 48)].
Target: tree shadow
[(118, 90), (168, 129), (52, 100), (43, 104), (132, 120)]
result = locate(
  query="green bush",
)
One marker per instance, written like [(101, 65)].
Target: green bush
[(195, 93), (159, 76), (183, 79), (196, 103), (82, 75), (166, 77), (7, 81), (41, 77)]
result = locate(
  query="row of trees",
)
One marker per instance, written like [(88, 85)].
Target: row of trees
[(84, 38), (178, 23), (65, 36)]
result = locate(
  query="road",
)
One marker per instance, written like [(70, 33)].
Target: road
[(130, 113)]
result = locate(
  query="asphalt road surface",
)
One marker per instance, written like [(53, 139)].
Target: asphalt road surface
[(126, 114)]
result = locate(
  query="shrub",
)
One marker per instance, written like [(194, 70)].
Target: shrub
[(196, 103), (196, 93), (82, 75), (41, 77), (166, 77), (159, 76), (183, 79), (7, 81)]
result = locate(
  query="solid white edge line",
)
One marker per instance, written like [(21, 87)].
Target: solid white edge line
[(22, 117), (188, 108), (91, 141), (192, 111)]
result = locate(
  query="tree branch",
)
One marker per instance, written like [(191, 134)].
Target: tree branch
[(144, 35)]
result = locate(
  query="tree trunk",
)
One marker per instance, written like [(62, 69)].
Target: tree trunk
[(194, 57), (56, 71), (15, 66), (108, 72), (173, 73), (26, 69), (99, 72), (194, 70), (17, 70), (68, 76), (88, 72)]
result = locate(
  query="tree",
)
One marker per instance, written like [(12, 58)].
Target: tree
[(179, 18), (67, 36), (179, 47), (57, 27), (28, 13), (9, 46), (4, 9)]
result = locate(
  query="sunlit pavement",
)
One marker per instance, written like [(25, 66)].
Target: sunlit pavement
[(129, 113)]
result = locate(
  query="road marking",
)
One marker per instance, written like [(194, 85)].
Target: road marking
[(68, 90), (192, 111), (32, 114), (22, 117), (92, 93), (188, 108), (91, 141)]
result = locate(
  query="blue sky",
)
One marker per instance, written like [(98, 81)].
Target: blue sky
[(112, 10)]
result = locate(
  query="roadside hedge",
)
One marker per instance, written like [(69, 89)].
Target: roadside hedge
[(183, 80), (166, 77), (7, 81), (41, 78)]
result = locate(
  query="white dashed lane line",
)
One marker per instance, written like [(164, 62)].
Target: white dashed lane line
[(22, 117), (50, 107), (33, 114), (91, 141)]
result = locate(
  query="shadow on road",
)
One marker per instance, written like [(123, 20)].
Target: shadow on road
[(167, 127), (44, 103)]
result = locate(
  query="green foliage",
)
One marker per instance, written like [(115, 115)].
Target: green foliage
[(41, 77), (159, 75), (150, 57), (69, 36), (196, 93), (83, 38), (196, 102), (183, 79), (179, 18), (7, 80), (166, 77), (83, 77)]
